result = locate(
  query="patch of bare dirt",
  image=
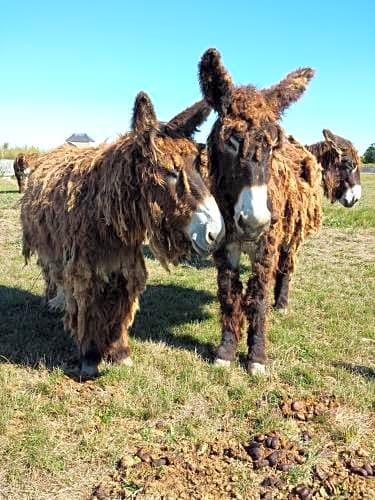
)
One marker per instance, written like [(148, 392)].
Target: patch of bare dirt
[(208, 472), (336, 244), (259, 469)]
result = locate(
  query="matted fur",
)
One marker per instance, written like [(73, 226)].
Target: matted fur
[(87, 212), (294, 195)]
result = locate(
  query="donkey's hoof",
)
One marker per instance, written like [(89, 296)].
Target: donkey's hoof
[(126, 361), (256, 368), (57, 304), (281, 310), (88, 371), (223, 363), (280, 307)]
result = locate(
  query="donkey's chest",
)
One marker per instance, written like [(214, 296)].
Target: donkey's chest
[(236, 248)]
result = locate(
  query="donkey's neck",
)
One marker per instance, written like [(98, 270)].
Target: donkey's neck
[(323, 153), (123, 192), (327, 158)]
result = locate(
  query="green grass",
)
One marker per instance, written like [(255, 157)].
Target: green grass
[(57, 435), (361, 216)]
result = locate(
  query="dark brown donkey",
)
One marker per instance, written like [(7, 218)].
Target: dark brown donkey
[(22, 167), (341, 181), (87, 212), (268, 190), (340, 162)]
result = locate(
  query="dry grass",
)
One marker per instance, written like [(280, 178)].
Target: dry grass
[(59, 438)]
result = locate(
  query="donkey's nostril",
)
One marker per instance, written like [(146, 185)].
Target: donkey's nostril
[(211, 237)]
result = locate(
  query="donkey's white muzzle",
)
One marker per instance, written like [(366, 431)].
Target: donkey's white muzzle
[(351, 196), (206, 229), (251, 213)]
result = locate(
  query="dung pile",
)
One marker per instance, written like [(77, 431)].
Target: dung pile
[(206, 471), (308, 408), (275, 450)]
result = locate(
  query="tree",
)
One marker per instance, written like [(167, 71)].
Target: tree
[(369, 156)]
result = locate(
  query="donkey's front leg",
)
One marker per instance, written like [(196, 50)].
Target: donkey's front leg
[(230, 297), (125, 297), (256, 305), (107, 319)]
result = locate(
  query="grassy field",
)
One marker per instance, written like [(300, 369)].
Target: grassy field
[(173, 425), (11, 153)]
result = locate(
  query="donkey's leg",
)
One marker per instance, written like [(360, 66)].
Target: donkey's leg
[(118, 350), (230, 297), (49, 284), (256, 303), (20, 184), (282, 280)]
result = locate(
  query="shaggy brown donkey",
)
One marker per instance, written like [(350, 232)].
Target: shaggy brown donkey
[(268, 190), (22, 167), (87, 212), (341, 181), (340, 162)]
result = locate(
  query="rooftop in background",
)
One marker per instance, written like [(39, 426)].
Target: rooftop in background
[(79, 138)]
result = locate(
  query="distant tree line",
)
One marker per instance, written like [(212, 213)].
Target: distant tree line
[(369, 155), (7, 153)]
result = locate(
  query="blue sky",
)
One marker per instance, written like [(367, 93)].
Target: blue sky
[(77, 66)]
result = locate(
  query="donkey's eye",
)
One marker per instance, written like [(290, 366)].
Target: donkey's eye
[(348, 165), (233, 144), (172, 176)]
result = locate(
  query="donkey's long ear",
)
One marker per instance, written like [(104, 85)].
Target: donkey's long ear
[(330, 137), (144, 117), (188, 121), (215, 81), (289, 90)]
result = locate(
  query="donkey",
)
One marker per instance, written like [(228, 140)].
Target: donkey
[(268, 190), (22, 167), (340, 162), (341, 181), (87, 212)]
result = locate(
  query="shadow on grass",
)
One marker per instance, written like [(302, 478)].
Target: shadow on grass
[(163, 307), (364, 371), (30, 335), (195, 260), (15, 191)]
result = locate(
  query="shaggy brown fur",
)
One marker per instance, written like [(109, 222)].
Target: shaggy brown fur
[(247, 147), (340, 162), (86, 214), (23, 164)]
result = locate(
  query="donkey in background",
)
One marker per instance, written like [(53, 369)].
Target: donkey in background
[(22, 166), (341, 182), (268, 190), (340, 162)]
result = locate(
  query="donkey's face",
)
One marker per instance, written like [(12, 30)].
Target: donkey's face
[(342, 172), (243, 139), (241, 150), (181, 202)]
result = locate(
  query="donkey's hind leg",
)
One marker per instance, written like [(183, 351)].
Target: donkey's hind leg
[(282, 280)]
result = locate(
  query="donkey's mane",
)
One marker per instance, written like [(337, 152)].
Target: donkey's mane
[(103, 191)]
